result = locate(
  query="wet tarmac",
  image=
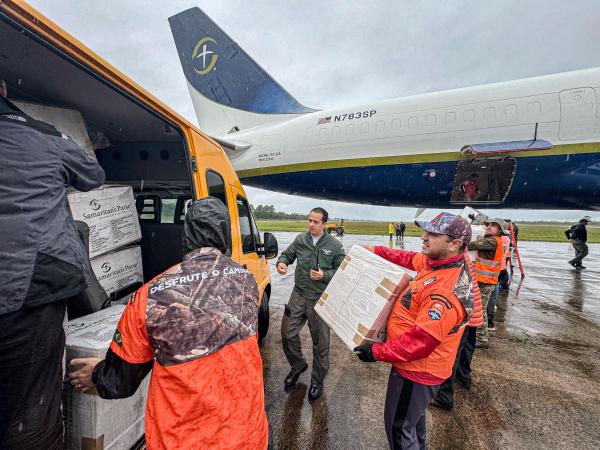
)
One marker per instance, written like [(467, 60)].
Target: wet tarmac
[(537, 387)]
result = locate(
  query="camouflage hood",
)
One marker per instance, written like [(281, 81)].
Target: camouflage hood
[(207, 225)]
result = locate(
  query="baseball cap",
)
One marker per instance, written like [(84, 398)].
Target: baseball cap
[(445, 223), (586, 219)]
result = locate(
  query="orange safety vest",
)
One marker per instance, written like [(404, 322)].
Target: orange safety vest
[(487, 270)]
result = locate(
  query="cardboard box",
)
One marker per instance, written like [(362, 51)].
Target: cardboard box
[(110, 213), (91, 422), (360, 296), (119, 269), (68, 121)]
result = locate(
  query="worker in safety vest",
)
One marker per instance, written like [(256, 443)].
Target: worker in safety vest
[(488, 264), (194, 326), (425, 326)]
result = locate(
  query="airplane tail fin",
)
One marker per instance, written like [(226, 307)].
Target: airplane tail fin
[(229, 90)]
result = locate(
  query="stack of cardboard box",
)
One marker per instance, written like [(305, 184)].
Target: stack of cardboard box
[(112, 218), (91, 422)]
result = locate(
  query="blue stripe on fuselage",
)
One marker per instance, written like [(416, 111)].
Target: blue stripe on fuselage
[(542, 182)]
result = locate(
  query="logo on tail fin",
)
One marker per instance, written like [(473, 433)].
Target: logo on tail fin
[(197, 55)]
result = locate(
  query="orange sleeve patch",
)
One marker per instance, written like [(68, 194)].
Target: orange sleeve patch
[(130, 341)]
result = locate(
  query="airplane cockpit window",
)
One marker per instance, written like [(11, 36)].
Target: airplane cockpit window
[(483, 181)]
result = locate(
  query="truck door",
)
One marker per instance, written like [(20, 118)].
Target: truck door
[(249, 238)]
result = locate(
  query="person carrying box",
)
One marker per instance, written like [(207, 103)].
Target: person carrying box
[(425, 326)]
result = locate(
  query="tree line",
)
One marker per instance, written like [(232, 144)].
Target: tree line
[(268, 212)]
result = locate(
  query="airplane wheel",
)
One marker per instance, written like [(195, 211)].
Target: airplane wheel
[(263, 318), (339, 231)]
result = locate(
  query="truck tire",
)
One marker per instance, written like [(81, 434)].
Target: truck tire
[(263, 318)]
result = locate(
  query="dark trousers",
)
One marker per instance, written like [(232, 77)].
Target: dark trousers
[(298, 311), (461, 369), (581, 251), (405, 405), (32, 343)]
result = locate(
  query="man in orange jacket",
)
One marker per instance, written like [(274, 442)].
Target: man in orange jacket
[(424, 327), (194, 326)]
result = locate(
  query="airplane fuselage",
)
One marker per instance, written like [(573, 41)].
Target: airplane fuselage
[(406, 151)]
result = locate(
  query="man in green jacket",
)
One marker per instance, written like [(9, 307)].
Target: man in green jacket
[(319, 255)]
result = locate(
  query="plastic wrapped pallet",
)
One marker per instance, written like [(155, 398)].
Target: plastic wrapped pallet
[(110, 213), (119, 269), (360, 296), (68, 121), (91, 422)]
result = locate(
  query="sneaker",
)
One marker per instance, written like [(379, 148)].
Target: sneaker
[(581, 267), (573, 264), (491, 326)]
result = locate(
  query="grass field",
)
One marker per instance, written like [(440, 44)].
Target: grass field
[(527, 231)]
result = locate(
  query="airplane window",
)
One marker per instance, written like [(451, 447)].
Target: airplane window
[(396, 124), (216, 186), (323, 133), (246, 235), (350, 129), (413, 122), (450, 117), (364, 127), (430, 119), (534, 108), (337, 131), (489, 113), (469, 115), (511, 110), (380, 125)]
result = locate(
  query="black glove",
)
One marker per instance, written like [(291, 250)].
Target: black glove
[(365, 352)]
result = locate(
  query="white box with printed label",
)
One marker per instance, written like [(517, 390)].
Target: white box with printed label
[(119, 269), (90, 421), (110, 213), (359, 298)]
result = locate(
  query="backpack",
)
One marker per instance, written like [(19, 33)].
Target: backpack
[(568, 234)]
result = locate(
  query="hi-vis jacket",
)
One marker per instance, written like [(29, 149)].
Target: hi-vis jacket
[(427, 321), (195, 327), (488, 269)]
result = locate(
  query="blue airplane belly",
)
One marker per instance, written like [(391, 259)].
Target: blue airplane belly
[(561, 182)]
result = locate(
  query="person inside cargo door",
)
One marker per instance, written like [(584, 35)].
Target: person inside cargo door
[(195, 327), (425, 326), (43, 264), (319, 255)]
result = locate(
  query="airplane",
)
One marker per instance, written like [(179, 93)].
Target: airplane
[(529, 143)]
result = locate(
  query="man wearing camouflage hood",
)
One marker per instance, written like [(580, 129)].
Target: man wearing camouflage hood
[(194, 326)]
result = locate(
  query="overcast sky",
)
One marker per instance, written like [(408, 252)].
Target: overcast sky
[(334, 53)]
